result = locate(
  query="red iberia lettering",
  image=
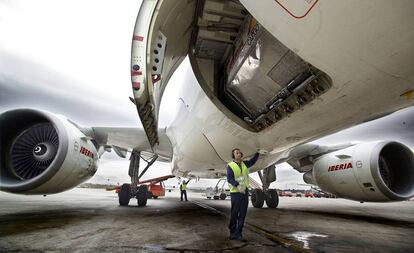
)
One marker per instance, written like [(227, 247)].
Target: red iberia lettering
[(86, 152), (342, 166)]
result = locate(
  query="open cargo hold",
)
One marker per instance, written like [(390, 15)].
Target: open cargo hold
[(264, 80)]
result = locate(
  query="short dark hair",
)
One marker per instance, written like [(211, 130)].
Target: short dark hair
[(232, 152)]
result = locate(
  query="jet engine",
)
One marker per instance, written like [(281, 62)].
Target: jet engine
[(43, 153), (373, 172)]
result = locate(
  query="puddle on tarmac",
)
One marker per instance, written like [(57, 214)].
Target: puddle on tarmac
[(154, 248), (305, 237)]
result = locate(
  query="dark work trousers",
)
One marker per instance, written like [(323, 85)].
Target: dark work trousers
[(239, 203), (183, 192)]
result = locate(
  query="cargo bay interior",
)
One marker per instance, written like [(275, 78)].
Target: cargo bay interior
[(229, 50)]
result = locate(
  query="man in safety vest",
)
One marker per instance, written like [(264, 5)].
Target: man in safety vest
[(183, 189), (238, 179)]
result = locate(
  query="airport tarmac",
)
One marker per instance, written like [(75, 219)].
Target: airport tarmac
[(90, 220)]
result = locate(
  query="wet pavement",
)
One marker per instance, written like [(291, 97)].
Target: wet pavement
[(85, 220), (337, 225)]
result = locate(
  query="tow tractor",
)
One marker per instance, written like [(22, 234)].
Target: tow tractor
[(156, 186)]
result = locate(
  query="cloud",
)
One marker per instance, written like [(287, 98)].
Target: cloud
[(77, 66), (42, 88)]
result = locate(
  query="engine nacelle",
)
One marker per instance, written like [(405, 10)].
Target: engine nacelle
[(43, 153), (372, 172)]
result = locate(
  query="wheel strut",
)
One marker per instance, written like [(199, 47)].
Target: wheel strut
[(129, 191)]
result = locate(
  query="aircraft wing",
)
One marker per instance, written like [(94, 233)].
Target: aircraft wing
[(301, 157), (126, 139)]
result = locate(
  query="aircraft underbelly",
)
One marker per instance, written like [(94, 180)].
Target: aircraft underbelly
[(194, 155), (220, 133), (364, 48)]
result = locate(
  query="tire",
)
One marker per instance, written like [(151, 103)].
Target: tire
[(272, 198), (124, 195), (216, 197), (142, 195), (208, 197), (257, 198), (154, 197), (223, 196)]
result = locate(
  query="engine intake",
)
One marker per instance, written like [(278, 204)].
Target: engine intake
[(35, 157), (33, 151), (393, 168)]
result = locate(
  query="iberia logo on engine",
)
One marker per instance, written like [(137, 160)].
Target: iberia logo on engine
[(342, 166), (86, 152)]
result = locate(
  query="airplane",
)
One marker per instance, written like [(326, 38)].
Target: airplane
[(266, 76)]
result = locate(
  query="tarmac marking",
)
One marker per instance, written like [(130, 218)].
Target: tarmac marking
[(287, 243), (207, 250), (259, 230)]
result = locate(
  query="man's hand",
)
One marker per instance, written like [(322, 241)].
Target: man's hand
[(241, 188), (262, 151)]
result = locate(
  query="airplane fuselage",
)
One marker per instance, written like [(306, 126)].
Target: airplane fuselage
[(364, 47)]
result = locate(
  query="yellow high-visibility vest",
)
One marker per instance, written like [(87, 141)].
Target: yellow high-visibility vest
[(183, 187), (241, 176)]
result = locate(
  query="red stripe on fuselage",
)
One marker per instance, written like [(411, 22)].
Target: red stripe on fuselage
[(290, 13)]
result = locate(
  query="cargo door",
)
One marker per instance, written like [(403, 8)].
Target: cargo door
[(160, 42)]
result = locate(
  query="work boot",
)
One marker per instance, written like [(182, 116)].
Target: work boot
[(241, 239), (233, 237)]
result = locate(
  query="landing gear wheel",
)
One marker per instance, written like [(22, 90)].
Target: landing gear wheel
[(142, 195), (257, 198), (124, 195), (272, 198), (223, 196)]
